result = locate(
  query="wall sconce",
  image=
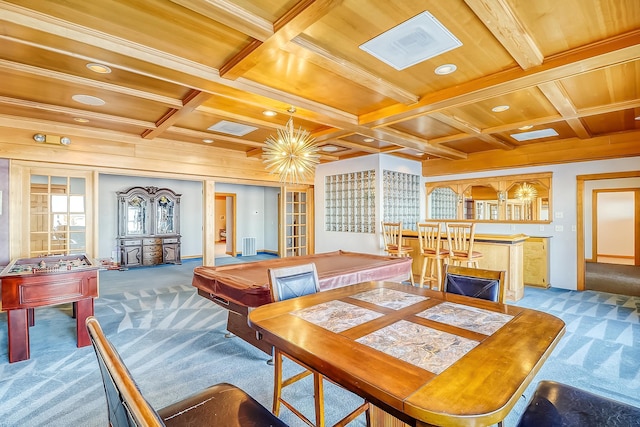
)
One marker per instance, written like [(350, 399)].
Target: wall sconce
[(52, 139), (502, 196)]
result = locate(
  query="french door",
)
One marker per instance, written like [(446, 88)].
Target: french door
[(296, 208)]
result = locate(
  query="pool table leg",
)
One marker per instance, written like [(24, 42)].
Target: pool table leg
[(18, 325), (84, 309)]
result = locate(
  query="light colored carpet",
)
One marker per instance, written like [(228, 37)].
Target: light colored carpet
[(173, 342)]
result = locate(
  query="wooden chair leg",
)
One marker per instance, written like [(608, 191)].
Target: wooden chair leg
[(318, 395), (438, 273), (277, 381), (425, 261)]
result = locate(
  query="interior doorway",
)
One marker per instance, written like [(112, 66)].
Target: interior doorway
[(597, 221), (225, 225), (614, 219)]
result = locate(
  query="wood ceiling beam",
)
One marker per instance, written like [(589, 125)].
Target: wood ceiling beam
[(407, 140), (82, 81), (468, 128), (559, 98), (231, 15), (616, 50), (216, 137), (503, 23), (542, 153), (74, 112), (306, 48), (261, 29), (286, 28), (189, 70), (190, 103)]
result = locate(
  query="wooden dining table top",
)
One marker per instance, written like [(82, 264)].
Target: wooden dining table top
[(424, 356)]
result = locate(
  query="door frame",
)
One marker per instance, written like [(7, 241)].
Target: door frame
[(230, 200), (580, 181)]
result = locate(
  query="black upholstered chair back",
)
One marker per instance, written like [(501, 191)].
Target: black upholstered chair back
[(125, 404), (474, 282), (294, 281)]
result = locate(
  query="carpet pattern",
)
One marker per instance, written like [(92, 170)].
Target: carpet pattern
[(173, 342)]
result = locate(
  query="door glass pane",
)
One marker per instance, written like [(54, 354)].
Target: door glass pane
[(59, 204), (76, 204), (76, 185), (59, 181)]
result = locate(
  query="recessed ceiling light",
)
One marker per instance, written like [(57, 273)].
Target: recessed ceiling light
[(500, 108), (81, 120), (88, 100), (445, 69), (368, 140), (535, 134), (98, 68), (527, 127), (329, 148), (207, 140), (269, 113)]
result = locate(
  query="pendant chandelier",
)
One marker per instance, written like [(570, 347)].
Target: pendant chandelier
[(526, 192), (291, 154)]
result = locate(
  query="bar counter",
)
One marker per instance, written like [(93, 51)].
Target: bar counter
[(500, 252)]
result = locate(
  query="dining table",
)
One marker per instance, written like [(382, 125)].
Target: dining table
[(420, 357)]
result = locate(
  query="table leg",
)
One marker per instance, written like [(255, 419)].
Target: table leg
[(18, 325), (84, 309), (31, 315)]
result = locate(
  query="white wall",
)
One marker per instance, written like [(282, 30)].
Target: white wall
[(256, 214), (616, 223), (190, 210), (327, 241)]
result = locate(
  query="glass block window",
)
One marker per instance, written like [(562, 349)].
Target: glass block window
[(350, 202), (443, 204), (401, 198)]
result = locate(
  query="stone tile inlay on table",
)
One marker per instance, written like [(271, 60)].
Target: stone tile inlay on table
[(471, 318), (419, 345), (336, 316), (389, 298)]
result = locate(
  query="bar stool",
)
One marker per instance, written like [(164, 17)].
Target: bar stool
[(394, 244), (429, 237), (460, 237)]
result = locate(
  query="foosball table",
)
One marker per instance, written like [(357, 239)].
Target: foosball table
[(28, 283)]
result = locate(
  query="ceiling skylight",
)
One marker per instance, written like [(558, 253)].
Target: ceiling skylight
[(231, 128), (418, 39), (535, 134)]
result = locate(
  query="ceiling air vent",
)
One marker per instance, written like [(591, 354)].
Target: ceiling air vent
[(231, 128), (418, 39), (534, 134)]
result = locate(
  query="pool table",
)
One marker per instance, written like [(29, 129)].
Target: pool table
[(242, 287)]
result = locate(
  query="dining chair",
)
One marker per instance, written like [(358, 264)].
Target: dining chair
[(460, 238), (220, 405), (475, 282), (291, 282), (394, 243), (433, 254), (557, 404)]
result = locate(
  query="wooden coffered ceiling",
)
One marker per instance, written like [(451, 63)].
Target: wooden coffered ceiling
[(181, 66)]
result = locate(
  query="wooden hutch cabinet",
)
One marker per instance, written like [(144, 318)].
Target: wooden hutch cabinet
[(148, 226)]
